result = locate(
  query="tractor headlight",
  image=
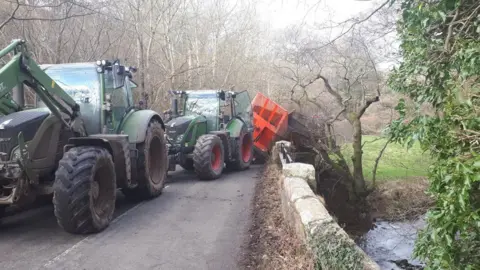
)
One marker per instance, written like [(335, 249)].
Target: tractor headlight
[(99, 63), (180, 138), (15, 154)]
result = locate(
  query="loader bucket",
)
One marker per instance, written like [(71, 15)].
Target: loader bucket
[(270, 122)]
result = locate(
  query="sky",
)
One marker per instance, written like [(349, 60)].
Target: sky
[(281, 13)]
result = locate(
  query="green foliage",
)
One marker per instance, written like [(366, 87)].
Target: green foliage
[(334, 250), (397, 162), (441, 67)]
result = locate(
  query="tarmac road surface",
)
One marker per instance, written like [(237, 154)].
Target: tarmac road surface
[(192, 225)]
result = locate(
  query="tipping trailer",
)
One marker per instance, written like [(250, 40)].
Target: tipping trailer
[(272, 123), (84, 141)]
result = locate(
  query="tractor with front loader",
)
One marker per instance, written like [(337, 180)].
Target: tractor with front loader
[(208, 129), (81, 140)]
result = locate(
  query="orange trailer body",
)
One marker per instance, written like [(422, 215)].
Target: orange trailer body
[(270, 122)]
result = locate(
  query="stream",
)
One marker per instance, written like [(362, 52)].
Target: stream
[(392, 241)]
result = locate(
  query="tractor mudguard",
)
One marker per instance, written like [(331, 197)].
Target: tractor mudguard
[(135, 126), (88, 141), (235, 126), (118, 147)]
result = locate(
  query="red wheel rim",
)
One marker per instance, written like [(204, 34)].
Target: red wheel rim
[(216, 157), (246, 148)]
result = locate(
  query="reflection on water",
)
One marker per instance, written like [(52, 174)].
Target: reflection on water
[(391, 241)]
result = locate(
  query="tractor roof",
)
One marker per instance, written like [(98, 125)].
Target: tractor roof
[(85, 64), (207, 91)]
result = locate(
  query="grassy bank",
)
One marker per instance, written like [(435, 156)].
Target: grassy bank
[(397, 163), (401, 178)]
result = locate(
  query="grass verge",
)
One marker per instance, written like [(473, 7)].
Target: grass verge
[(397, 161), (272, 244), (401, 178)]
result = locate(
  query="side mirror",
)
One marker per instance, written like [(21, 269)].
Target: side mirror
[(141, 104), (118, 75), (222, 95), (226, 118)]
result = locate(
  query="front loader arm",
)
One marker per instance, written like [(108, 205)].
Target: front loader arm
[(21, 69)]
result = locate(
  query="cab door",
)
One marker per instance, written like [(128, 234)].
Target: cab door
[(243, 108), (121, 99)]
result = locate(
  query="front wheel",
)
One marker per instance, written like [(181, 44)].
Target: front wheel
[(208, 157), (85, 188), (152, 165)]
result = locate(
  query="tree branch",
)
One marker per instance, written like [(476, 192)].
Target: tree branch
[(367, 104), (11, 17), (330, 89)]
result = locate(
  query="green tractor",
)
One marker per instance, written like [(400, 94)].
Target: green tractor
[(81, 140), (207, 129)]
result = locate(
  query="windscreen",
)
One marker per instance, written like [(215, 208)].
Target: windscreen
[(202, 103), (206, 104), (81, 82)]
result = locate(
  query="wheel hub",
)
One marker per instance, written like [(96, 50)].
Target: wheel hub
[(156, 161), (95, 190)]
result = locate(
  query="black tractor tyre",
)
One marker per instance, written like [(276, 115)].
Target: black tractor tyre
[(259, 157), (152, 165), (208, 157), (84, 192), (244, 153), (187, 164), (2, 213)]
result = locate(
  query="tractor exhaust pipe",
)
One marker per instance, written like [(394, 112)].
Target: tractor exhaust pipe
[(175, 107)]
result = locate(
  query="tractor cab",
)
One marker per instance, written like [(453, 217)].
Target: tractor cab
[(105, 97)]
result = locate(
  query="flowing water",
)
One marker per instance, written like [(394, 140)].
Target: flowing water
[(392, 241)]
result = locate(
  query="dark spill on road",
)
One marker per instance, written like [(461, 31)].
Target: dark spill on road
[(391, 244)]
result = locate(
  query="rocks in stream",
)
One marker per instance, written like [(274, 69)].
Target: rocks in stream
[(404, 264)]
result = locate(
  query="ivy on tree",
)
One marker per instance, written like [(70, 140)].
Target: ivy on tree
[(440, 45)]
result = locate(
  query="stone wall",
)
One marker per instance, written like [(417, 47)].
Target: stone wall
[(306, 213)]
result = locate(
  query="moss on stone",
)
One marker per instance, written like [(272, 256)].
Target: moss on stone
[(333, 249)]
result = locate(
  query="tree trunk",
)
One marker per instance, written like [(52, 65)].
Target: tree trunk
[(359, 180)]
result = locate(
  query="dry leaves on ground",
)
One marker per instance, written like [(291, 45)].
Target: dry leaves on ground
[(273, 245)]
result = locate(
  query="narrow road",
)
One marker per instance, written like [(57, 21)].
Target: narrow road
[(192, 225)]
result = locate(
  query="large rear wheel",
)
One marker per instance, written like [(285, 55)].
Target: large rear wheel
[(152, 165), (244, 153), (208, 157), (85, 190)]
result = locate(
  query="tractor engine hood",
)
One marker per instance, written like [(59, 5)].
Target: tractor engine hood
[(11, 125), (176, 128)]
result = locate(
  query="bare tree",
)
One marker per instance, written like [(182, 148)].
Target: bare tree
[(343, 74)]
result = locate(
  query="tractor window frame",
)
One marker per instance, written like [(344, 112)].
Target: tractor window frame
[(243, 107), (214, 112)]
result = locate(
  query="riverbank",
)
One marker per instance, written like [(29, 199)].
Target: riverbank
[(398, 203)]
